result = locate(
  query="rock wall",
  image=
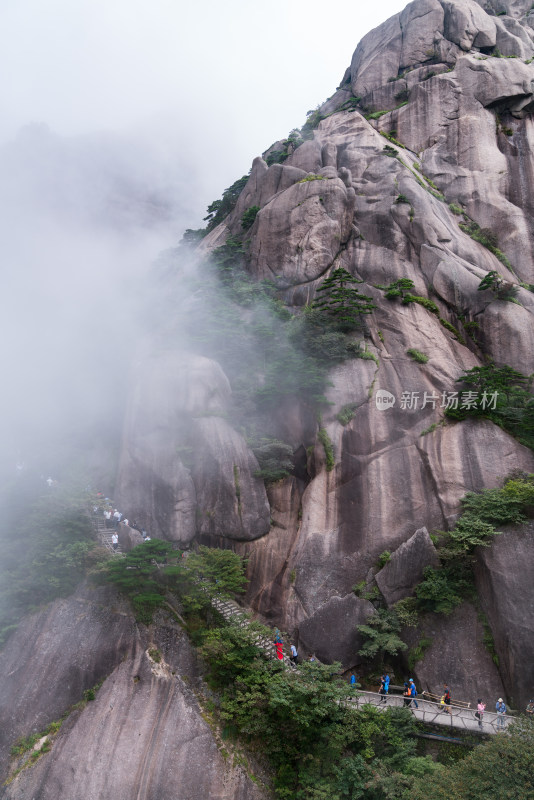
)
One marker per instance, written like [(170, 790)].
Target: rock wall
[(143, 736), (55, 655), (382, 195)]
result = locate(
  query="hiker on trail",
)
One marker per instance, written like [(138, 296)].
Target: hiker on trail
[(294, 654), (353, 679), (413, 693), (107, 517), (384, 687), (500, 708), (406, 694), (446, 699), (530, 709), (279, 644), (125, 522), (114, 540), (117, 517), (479, 713)]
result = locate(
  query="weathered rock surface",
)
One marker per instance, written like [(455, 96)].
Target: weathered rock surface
[(143, 736), (300, 232), (386, 198), (55, 655), (458, 656), (128, 537), (331, 633), (399, 577), (505, 583), (183, 468), (231, 502)]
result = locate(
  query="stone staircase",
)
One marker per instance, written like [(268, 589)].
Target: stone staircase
[(230, 610), (428, 711), (104, 534)]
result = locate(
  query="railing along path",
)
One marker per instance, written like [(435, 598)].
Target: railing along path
[(432, 713), (459, 714)]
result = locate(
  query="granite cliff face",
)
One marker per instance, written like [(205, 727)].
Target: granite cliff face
[(382, 197), (144, 735), (430, 127)]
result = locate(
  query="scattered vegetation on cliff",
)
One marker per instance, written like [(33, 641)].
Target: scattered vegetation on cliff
[(500, 394), (346, 413), (417, 355), (325, 440), (501, 289), (444, 588), (485, 237), (274, 458)]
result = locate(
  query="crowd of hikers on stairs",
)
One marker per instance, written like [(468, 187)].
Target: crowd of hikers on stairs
[(113, 519)]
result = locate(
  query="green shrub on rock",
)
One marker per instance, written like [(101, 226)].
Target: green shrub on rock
[(247, 220)]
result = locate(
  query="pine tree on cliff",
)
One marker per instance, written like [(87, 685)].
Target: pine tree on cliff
[(339, 299)]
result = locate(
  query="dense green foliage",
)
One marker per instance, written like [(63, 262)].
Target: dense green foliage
[(248, 217), (152, 569), (219, 209), (501, 769), (381, 634), (319, 747), (504, 396), (274, 458)]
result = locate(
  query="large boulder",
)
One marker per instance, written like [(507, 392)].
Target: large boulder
[(303, 229), (128, 537), (231, 500), (183, 469), (331, 633), (399, 577)]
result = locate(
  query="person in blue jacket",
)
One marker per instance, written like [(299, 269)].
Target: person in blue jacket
[(500, 708), (413, 692)]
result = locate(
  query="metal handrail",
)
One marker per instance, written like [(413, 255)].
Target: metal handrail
[(432, 712)]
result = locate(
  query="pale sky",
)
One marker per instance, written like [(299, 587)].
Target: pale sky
[(210, 84)]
